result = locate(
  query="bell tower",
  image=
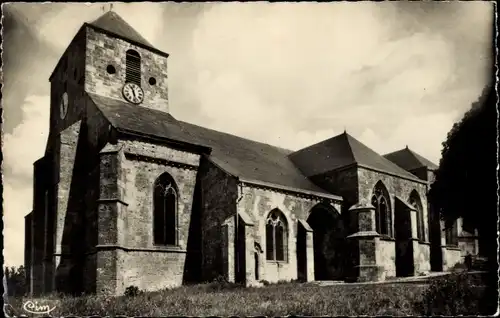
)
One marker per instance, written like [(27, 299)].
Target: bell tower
[(107, 57), (121, 64)]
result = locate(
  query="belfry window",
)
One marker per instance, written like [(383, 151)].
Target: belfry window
[(382, 204), (133, 67), (165, 211), (276, 236), (417, 204)]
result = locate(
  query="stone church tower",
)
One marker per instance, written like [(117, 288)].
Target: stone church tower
[(126, 195), (78, 186)]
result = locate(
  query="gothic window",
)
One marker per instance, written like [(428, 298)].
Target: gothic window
[(276, 236), (382, 204), (165, 211), (451, 234), (133, 67), (417, 204)]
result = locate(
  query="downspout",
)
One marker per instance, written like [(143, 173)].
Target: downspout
[(237, 235), (241, 190)]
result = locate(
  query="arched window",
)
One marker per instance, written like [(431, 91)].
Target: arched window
[(417, 204), (133, 67), (165, 211), (382, 204), (276, 236)]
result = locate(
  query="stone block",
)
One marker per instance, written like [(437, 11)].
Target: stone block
[(371, 273)]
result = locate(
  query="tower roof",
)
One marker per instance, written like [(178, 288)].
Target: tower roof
[(410, 160), (113, 23), (342, 151)]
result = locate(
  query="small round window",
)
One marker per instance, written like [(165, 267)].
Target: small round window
[(110, 69), (152, 81)]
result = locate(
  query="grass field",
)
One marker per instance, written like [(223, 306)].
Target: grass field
[(219, 299)]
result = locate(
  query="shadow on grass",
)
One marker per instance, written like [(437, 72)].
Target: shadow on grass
[(454, 295)]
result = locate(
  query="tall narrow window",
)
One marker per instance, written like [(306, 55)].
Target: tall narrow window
[(276, 236), (133, 67), (165, 211), (382, 204), (417, 204)]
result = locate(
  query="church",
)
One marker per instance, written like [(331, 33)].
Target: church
[(127, 195)]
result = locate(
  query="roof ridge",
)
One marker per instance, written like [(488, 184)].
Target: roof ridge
[(354, 159), (415, 156), (111, 16), (236, 136), (424, 161), (402, 172)]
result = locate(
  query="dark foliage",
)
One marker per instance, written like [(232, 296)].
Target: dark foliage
[(457, 294), (132, 291), (16, 280), (466, 184)]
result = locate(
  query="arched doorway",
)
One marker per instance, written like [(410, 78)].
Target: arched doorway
[(329, 242)]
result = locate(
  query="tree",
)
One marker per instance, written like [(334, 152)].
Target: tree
[(16, 281), (466, 184)]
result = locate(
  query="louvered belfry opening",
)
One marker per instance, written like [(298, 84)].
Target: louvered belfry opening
[(133, 67)]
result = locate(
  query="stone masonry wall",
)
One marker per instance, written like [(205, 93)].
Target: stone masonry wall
[(423, 256), (99, 132), (28, 243), (103, 50), (219, 195), (396, 187), (451, 257), (257, 203), (401, 188), (386, 256), (467, 241), (345, 183), (139, 262), (67, 78), (39, 231)]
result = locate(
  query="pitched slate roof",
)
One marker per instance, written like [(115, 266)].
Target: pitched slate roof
[(244, 158), (113, 23), (341, 151), (132, 118), (409, 160), (250, 159)]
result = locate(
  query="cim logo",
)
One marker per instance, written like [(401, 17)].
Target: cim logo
[(35, 308)]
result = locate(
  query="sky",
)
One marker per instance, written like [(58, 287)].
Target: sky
[(289, 74)]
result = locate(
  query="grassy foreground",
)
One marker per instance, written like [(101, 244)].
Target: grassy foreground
[(455, 295)]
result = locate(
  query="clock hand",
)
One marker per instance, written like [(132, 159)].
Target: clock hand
[(133, 92)]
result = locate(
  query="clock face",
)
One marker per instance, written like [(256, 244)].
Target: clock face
[(133, 93), (63, 107)]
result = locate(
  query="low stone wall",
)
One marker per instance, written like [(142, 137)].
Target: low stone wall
[(467, 245), (386, 256), (149, 270), (423, 258), (451, 257)]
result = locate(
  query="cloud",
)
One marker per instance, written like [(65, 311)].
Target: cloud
[(27, 142), (410, 132), (272, 72), (21, 149)]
